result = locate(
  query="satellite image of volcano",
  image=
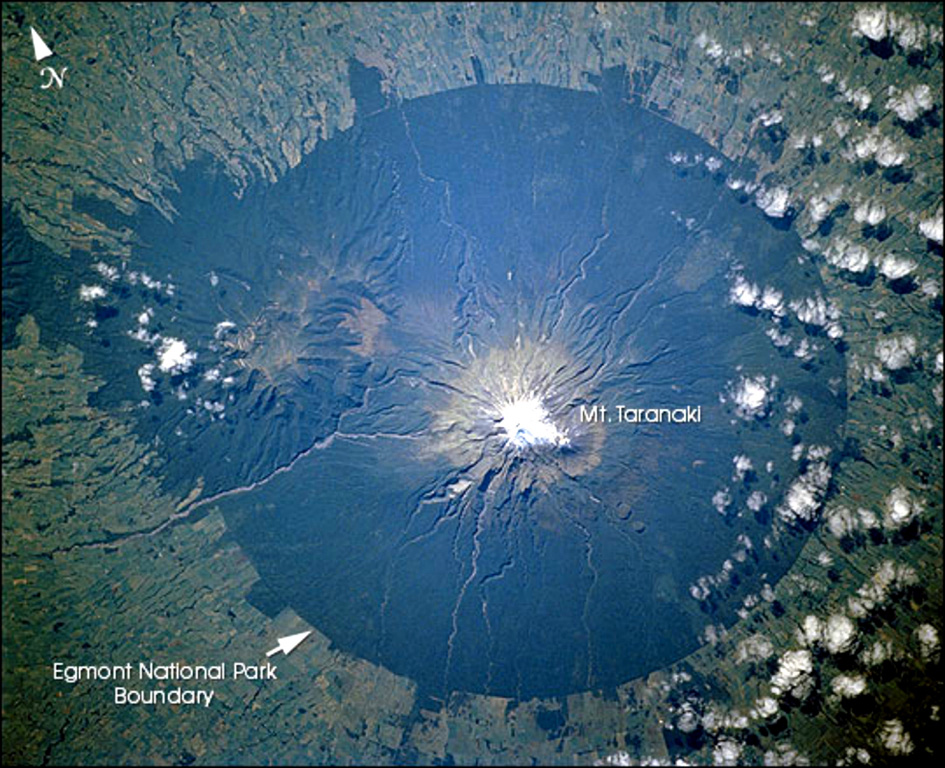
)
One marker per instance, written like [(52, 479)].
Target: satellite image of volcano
[(457, 383)]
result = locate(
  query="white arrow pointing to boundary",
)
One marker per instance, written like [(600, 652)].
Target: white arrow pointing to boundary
[(289, 643), (40, 49)]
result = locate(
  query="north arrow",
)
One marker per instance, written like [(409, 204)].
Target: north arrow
[(40, 49), (289, 643)]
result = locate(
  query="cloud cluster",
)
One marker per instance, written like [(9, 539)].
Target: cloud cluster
[(931, 227), (882, 149), (842, 521), (869, 212), (837, 634), (743, 466), (878, 23), (146, 376), (107, 271), (755, 647), (805, 495), (91, 292), (722, 500), (726, 752), (929, 644), (900, 508), (819, 206), (173, 356), (794, 674), (756, 500), (819, 312), (784, 754), (877, 653), (752, 396), (911, 103), (896, 267), (848, 686), (775, 202), (896, 352), (853, 257), (895, 738), (747, 294), (888, 578)]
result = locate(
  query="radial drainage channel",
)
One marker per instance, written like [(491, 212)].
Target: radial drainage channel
[(456, 302)]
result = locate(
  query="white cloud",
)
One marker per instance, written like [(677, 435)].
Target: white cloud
[(878, 22), (853, 257), (766, 706), (806, 494), (888, 578), (818, 209), (859, 98), (688, 719), (889, 155), (896, 267), (793, 675), (173, 356), (929, 644), (877, 653), (743, 293), (839, 633), (895, 738), (840, 521), (145, 374), (871, 23), (752, 396), (747, 294), (848, 686), (726, 752), (107, 271), (896, 352), (755, 647), (885, 151), (722, 500), (756, 500), (932, 226), (778, 338), (785, 754), (141, 334), (774, 202), (772, 300), (91, 292), (869, 212), (810, 631), (713, 164), (911, 103), (900, 508), (817, 311), (743, 466)]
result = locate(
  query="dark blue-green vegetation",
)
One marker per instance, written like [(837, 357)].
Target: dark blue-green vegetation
[(335, 313)]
